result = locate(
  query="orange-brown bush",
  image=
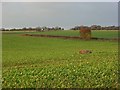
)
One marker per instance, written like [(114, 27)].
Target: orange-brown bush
[(85, 51), (85, 33)]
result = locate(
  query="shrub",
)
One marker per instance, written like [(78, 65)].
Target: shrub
[(85, 33)]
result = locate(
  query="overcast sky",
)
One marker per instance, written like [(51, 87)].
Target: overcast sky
[(64, 14)]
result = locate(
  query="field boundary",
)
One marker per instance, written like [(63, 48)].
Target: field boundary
[(70, 37)]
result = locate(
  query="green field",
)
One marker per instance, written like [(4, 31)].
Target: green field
[(37, 62), (95, 33)]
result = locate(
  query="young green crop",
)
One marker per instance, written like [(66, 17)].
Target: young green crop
[(32, 62), (95, 33)]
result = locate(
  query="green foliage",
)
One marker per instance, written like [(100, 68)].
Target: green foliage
[(31, 62)]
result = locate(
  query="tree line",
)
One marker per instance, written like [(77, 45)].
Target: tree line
[(42, 29), (39, 29), (97, 27)]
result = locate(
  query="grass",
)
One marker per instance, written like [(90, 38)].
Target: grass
[(31, 62), (95, 33)]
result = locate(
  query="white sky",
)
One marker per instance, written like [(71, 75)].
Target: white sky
[(59, 0), (10, 9)]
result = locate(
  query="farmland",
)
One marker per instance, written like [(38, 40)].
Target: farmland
[(39, 62), (95, 33)]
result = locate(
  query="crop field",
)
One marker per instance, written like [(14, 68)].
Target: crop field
[(95, 33), (41, 62)]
